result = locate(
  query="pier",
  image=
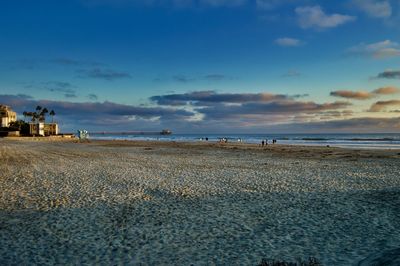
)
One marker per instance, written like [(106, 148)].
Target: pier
[(163, 132)]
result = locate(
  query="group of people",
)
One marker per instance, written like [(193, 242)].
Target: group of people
[(265, 142), (223, 140)]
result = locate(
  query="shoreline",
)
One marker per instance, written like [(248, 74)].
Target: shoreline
[(283, 150), (368, 143)]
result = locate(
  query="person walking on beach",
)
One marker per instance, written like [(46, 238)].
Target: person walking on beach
[(262, 143)]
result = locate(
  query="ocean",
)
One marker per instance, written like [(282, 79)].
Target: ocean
[(370, 141)]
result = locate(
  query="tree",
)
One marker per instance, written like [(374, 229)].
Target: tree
[(35, 116), (42, 114), (30, 114), (25, 113), (21, 126), (52, 114)]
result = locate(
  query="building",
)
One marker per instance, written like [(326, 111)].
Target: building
[(43, 129), (7, 116)]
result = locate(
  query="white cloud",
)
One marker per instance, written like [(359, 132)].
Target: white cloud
[(288, 42), (378, 50), (374, 8), (315, 17)]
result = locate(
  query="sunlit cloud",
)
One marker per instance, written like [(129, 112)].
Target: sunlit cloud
[(378, 50), (357, 95), (387, 90), (381, 106)]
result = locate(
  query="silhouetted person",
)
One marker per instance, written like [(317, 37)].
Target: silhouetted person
[(262, 143)]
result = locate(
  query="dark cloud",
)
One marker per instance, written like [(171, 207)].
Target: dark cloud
[(291, 74), (296, 124), (61, 84), (382, 105), (389, 74), (285, 115), (183, 78), (31, 64), (66, 88), (96, 113), (92, 97), (66, 61), (357, 95), (300, 95), (70, 95), (288, 107), (72, 62), (387, 90), (215, 77), (106, 74), (19, 102), (206, 97), (187, 78)]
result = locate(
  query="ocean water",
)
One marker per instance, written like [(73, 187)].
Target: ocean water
[(369, 141)]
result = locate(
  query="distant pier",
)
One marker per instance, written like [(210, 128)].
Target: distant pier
[(163, 132)]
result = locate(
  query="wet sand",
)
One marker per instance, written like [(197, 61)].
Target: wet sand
[(130, 202)]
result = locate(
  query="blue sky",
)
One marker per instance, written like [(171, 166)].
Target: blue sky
[(205, 65)]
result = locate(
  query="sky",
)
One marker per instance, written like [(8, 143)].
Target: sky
[(204, 66)]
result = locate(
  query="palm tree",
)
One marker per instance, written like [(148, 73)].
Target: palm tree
[(38, 108), (52, 113), (35, 116), (43, 114), (25, 113), (28, 114)]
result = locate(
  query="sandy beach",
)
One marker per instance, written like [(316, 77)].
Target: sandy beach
[(127, 202)]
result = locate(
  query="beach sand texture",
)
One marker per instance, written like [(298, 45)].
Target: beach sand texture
[(110, 202)]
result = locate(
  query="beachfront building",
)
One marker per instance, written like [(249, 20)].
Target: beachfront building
[(7, 116), (43, 129)]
